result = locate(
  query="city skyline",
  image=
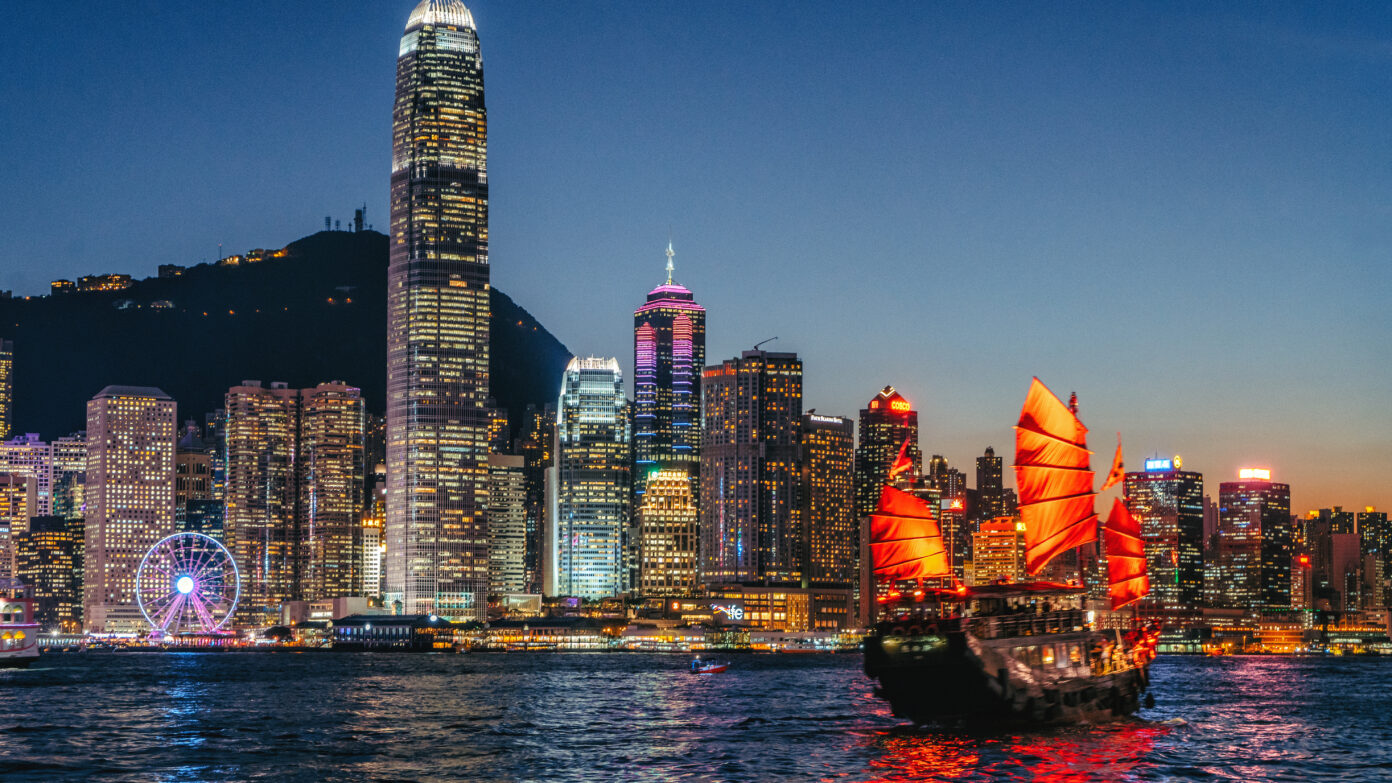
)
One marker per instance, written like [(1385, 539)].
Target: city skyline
[(1197, 246)]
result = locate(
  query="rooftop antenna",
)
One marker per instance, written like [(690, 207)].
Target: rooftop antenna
[(761, 342), (670, 265)]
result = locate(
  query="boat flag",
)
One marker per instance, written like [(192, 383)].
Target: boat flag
[(1118, 472)]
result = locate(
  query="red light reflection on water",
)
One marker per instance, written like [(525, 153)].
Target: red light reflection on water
[(1109, 752)]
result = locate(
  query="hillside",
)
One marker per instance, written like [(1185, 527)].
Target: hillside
[(317, 314)]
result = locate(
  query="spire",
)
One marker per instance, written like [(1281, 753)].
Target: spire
[(670, 266)]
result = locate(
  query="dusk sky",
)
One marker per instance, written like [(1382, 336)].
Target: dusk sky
[(1183, 212)]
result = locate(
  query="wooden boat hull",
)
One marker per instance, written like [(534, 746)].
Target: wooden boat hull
[(951, 678)]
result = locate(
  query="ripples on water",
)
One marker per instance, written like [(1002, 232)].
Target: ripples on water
[(303, 717)]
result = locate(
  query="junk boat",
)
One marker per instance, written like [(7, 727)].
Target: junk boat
[(1014, 653), (19, 634)]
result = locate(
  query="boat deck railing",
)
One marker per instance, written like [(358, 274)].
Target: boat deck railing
[(1011, 625)]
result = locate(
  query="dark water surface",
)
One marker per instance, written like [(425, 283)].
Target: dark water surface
[(631, 717)]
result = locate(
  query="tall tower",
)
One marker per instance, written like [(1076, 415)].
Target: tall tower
[(437, 320), (990, 491), (6, 388), (130, 499), (594, 460), (1168, 502), (752, 419), (1254, 541), (827, 521), (669, 350), (332, 482), (885, 422), (667, 536)]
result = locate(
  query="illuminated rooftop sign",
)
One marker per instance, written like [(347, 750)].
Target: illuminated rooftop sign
[(901, 406), (1259, 474), (1153, 465)]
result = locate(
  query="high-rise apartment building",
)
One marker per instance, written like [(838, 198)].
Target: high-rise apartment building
[(752, 420), (55, 470), (885, 423), (48, 560), (14, 518), (1168, 502), (668, 544), (438, 320), (669, 351), (507, 524), (990, 487), (6, 388), (594, 464), (294, 493), (1254, 542), (827, 522), (131, 432)]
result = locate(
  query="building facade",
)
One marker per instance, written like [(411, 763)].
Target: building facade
[(507, 524), (331, 472), (438, 320), (827, 523), (990, 487), (752, 421), (669, 351), (6, 388), (885, 423), (1254, 542), (667, 539), (594, 464), (48, 559), (1168, 502), (998, 552), (131, 432)]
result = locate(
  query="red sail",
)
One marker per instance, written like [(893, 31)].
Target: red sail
[(1054, 478), (905, 542), (1126, 565), (1118, 472)]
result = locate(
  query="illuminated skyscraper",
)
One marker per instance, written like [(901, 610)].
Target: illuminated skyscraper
[(667, 537), (331, 473), (594, 464), (438, 320), (536, 444), (1254, 542), (1168, 502), (6, 388), (885, 423), (48, 560), (752, 419), (259, 527), (669, 351), (130, 498), (990, 491), (830, 531), (14, 518), (998, 552), (507, 524)]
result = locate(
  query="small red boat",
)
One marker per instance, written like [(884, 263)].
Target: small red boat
[(707, 667)]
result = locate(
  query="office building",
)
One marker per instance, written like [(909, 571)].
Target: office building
[(1254, 542), (536, 444), (131, 433), (885, 423), (6, 388), (752, 419), (669, 351), (48, 560), (14, 518), (331, 476), (667, 538), (990, 487), (827, 522), (438, 320), (594, 464), (998, 552), (1168, 502), (507, 524)]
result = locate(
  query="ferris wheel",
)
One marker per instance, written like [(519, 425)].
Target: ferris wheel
[(187, 583)]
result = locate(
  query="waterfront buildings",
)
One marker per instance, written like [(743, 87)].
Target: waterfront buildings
[(594, 464), (667, 537), (998, 552), (6, 388), (130, 498), (331, 474), (56, 471), (885, 423), (669, 351), (438, 320), (752, 420), (507, 524), (827, 522), (1168, 502), (1254, 542), (48, 560)]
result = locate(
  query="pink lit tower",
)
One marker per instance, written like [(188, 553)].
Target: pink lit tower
[(669, 352)]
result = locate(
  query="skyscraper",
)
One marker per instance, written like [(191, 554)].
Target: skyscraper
[(507, 524), (667, 535), (594, 464), (1168, 502), (669, 351), (131, 434), (830, 531), (536, 444), (438, 320), (6, 388), (885, 423), (752, 419), (48, 560), (1254, 541), (332, 478), (990, 490), (14, 518)]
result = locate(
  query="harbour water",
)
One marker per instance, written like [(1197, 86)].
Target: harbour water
[(636, 717)]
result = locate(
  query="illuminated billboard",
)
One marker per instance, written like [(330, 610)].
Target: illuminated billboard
[(1153, 465), (1259, 474)]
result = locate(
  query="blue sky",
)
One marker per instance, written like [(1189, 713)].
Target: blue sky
[(1183, 211)]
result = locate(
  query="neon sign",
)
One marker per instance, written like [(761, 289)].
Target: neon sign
[(900, 406), (733, 611), (1260, 474), (1152, 465)]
